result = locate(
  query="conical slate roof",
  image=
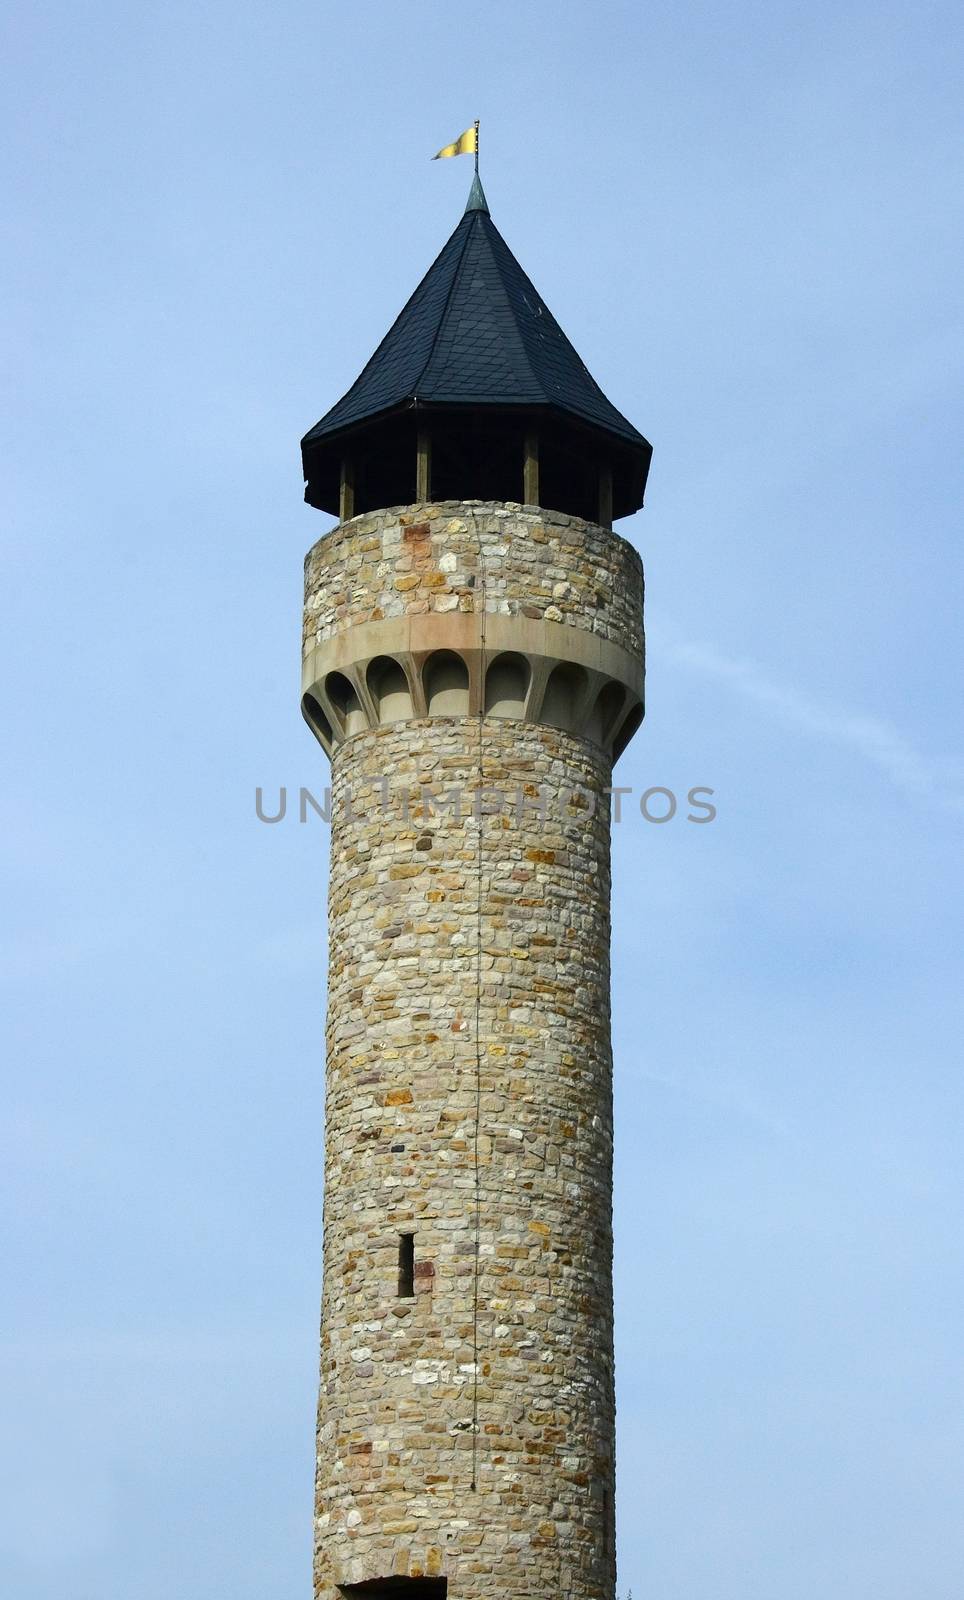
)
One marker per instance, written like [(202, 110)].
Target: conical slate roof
[(475, 332)]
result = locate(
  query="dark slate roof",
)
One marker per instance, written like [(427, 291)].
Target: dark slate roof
[(475, 332)]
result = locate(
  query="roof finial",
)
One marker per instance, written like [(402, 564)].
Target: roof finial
[(476, 200)]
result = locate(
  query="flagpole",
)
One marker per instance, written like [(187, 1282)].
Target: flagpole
[(476, 147)]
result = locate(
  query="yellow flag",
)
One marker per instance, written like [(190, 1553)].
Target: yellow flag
[(465, 145)]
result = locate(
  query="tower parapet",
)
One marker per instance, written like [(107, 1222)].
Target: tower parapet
[(467, 606)]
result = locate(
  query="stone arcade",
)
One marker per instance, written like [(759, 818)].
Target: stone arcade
[(472, 622)]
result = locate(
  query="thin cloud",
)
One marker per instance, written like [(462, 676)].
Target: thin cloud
[(873, 738)]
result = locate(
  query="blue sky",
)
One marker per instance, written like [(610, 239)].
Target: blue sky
[(748, 219)]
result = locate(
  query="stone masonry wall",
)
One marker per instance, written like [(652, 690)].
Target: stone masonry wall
[(420, 1138), (418, 560)]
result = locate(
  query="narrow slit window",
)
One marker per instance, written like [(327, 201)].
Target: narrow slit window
[(406, 1266)]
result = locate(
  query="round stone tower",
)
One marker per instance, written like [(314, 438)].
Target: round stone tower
[(473, 664)]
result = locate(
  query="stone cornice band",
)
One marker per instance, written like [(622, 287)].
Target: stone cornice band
[(603, 698)]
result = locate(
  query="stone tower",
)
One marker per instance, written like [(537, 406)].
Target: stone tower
[(473, 665)]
